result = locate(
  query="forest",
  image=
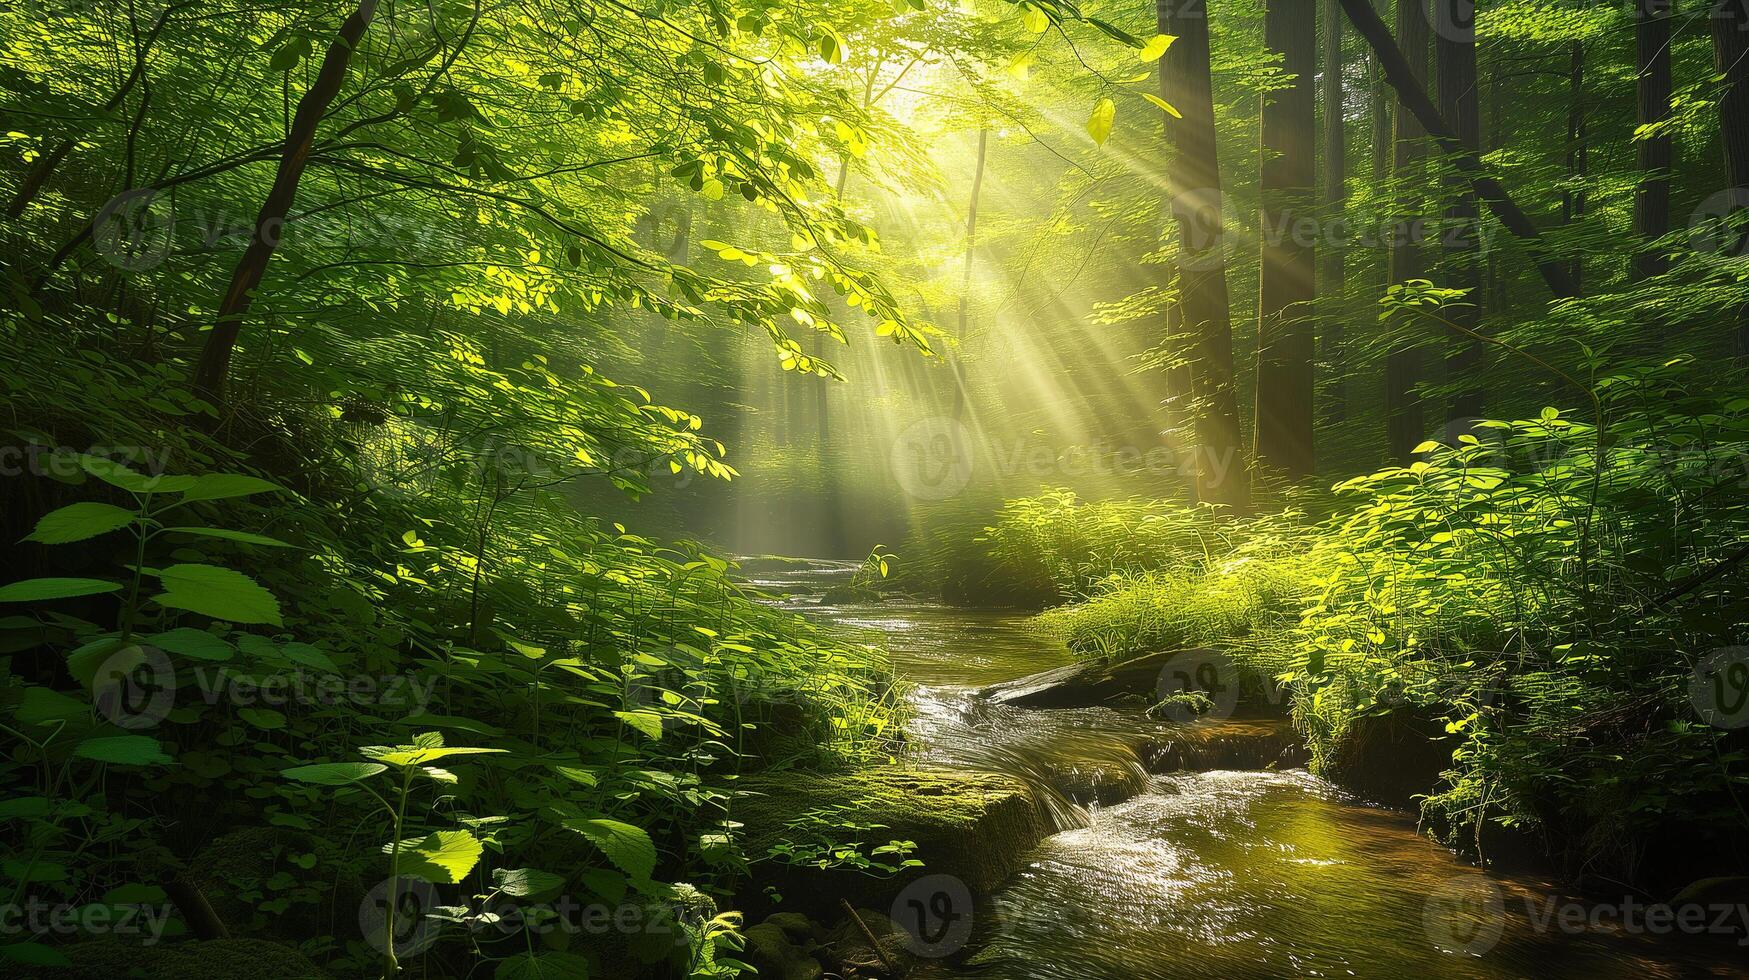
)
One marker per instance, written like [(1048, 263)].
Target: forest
[(1008, 489)]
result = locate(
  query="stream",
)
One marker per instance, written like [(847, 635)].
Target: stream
[(1223, 872)]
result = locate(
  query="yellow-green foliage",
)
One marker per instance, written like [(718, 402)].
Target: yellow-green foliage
[(1538, 591)]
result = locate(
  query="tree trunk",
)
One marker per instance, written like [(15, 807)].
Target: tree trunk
[(1455, 28), (1412, 95), (215, 359), (1654, 155), (1286, 284), (1195, 184), (1730, 28), (1331, 276), (1404, 425)]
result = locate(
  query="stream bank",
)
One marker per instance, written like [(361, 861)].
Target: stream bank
[(1178, 850)]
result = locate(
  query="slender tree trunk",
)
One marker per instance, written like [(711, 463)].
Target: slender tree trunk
[(1730, 29), (1286, 275), (1195, 184), (1455, 29), (1331, 276), (1404, 425), (215, 358), (1412, 95), (1578, 154), (1654, 156)]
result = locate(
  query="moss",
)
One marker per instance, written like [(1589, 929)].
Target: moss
[(974, 826), (218, 959)]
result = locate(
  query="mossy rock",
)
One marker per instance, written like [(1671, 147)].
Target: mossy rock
[(215, 959), (974, 826), (1202, 746), (771, 951)]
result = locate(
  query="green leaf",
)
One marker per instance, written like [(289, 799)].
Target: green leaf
[(405, 755), (443, 858), (527, 882), (334, 773), (217, 486), (119, 475), (76, 522), (217, 592), (1426, 447), (309, 656), (831, 46), (550, 965), (190, 642), (264, 718), (123, 750), (629, 848), (229, 535), (647, 722), (41, 706), (1156, 47), (1168, 107), (1099, 123), (83, 662), (40, 589)]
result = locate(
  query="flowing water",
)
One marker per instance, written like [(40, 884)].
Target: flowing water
[(1238, 871)]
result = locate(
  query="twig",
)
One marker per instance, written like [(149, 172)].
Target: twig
[(874, 943)]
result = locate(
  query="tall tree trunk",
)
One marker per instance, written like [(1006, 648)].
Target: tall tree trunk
[(1730, 28), (1455, 28), (1404, 425), (1286, 283), (1412, 95), (215, 358), (1331, 276), (1578, 154), (1195, 184), (1653, 156)]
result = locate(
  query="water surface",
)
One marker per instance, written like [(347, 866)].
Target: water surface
[(1215, 874)]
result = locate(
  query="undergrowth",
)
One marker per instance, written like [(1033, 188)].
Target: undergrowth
[(1541, 592)]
